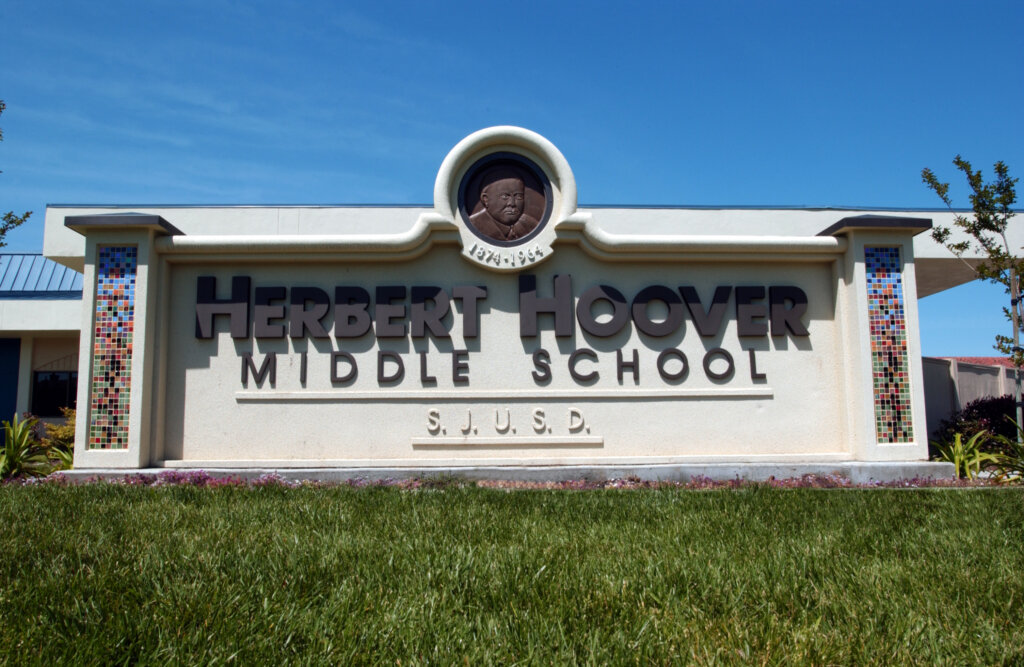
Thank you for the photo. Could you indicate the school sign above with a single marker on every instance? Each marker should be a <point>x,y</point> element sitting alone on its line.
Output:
<point>501,332</point>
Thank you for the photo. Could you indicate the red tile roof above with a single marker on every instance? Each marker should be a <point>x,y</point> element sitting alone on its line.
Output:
<point>984,361</point>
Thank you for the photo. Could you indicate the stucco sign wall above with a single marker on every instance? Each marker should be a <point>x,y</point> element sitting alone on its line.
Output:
<point>501,327</point>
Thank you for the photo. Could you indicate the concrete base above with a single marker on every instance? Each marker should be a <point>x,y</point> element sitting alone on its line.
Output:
<point>858,472</point>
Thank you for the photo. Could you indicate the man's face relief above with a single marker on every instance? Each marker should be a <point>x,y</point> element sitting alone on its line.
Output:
<point>504,200</point>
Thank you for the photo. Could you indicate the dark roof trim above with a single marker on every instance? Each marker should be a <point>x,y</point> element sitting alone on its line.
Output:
<point>41,296</point>
<point>877,222</point>
<point>127,220</point>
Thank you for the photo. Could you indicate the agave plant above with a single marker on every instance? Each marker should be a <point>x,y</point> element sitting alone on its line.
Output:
<point>1010,461</point>
<point>63,459</point>
<point>968,457</point>
<point>22,453</point>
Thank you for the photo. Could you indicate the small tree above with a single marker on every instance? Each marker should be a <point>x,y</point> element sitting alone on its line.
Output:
<point>986,235</point>
<point>10,220</point>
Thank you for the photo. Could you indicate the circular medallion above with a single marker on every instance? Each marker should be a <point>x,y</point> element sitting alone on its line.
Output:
<point>505,199</point>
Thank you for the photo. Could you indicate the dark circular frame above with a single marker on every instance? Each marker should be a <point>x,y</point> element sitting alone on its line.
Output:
<point>470,186</point>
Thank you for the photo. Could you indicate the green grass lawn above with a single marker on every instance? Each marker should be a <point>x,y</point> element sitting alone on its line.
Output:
<point>106,573</point>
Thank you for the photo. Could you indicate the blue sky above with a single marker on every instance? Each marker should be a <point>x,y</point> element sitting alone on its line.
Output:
<point>681,103</point>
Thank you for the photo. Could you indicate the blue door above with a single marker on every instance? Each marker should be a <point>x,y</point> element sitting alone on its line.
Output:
<point>10,351</point>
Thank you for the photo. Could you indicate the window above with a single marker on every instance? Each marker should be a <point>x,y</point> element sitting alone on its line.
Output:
<point>53,390</point>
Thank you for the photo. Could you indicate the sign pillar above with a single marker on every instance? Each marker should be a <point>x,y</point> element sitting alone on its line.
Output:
<point>116,381</point>
<point>884,375</point>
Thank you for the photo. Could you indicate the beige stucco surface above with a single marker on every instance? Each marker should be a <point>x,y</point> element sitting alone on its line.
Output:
<point>60,354</point>
<point>39,315</point>
<point>210,416</point>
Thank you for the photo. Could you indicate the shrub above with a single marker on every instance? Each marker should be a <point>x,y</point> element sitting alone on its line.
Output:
<point>992,414</point>
<point>1010,461</point>
<point>59,440</point>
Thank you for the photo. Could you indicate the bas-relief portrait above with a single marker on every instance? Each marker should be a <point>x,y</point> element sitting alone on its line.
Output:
<point>510,204</point>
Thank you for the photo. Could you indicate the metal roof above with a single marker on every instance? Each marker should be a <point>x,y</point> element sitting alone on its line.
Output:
<point>31,276</point>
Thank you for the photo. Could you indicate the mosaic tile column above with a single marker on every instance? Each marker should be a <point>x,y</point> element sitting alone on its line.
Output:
<point>110,396</point>
<point>890,367</point>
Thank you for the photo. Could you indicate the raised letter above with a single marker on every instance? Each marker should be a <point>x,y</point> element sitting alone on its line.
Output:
<point>468,295</point>
<point>385,311</point>
<point>269,367</point>
<point>574,357</point>
<point>460,368</point>
<point>542,362</point>
<point>657,293</point>
<point>783,318</point>
<point>707,323</point>
<point>632,366</point>
<point>497,421</point>
<point>263,312</point>
<point>710,356</point>
<point>300,319</point>
<point>351,320</point>
<point>399,371</point>
<point>433,420</point>
<point>539,424</point>
<point>754,375</point>
<point>620,313</point>
<point>236,307</point>
<point>747,311</point>
<point>424,318</point>
<point>560,305</point>
<point>425,378</point>
<point>353,371</point>
<point>664,357</point>
<point>399,368</point>
<point>576,421</point>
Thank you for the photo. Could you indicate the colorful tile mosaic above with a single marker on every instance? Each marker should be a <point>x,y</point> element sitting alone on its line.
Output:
<point>889,360</point>
<point>112,347</point>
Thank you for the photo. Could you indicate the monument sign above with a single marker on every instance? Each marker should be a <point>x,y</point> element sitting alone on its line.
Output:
<point>498,332</point>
